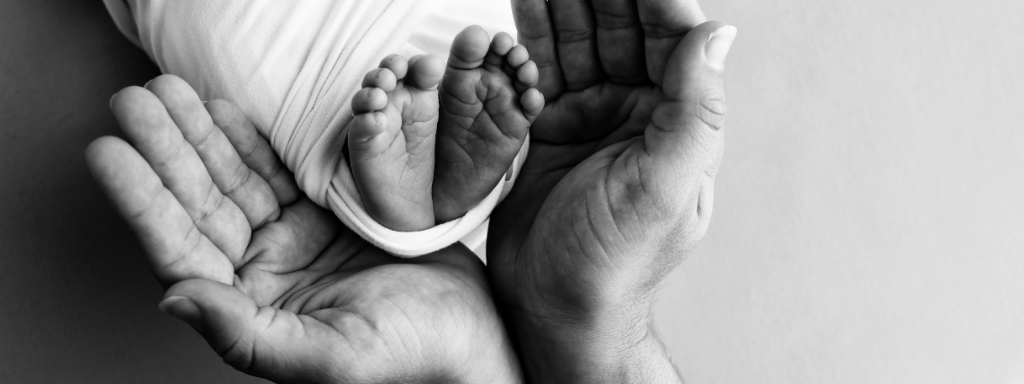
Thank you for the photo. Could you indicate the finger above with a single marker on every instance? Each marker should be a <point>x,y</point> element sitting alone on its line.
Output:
<point>250,192</point>
<point>175,247</point>
<point>538,36</point>
<point>665,22</point>
<point>264,341</point>
<point>294,243</point>
<point>255,151</point>
<point>620,41</point>
<point>686,129</point>
<point>576,33</point>
<point>146,122</point>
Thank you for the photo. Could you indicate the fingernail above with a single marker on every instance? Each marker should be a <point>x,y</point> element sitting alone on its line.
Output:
<point>718,46</point>
<point>182,308</point>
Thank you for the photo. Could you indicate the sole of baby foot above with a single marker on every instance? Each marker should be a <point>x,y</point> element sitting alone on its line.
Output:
<point>391,141</point>
<point>488,103</point>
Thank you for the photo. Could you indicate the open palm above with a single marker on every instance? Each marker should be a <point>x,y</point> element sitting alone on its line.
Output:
<point>275,283</point>
<point>619,181</point>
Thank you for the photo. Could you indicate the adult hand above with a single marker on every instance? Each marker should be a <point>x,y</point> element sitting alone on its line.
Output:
<point>618,185</point>
<point>276,285</point>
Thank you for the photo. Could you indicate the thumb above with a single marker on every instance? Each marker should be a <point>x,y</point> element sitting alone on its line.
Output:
<point>262,341</point>
<point>686,132</point>
<point>686,128</point>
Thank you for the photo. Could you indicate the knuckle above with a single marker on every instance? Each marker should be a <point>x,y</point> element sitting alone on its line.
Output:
<point>709,110</point>
<point>239,355</point>
<point>611,21</point>
<point>569,36</point>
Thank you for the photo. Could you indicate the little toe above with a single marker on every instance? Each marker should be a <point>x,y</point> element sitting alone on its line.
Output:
<point>381,78</point>
<point>368,100</point>
<point>398,65</point>
<point>366,136</point>
<point>469,48</point>
<point>533,102</point>
<point>425,71</point>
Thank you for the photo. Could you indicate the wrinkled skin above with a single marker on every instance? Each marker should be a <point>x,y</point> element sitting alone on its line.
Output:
<point>276,285</point>
<point>618,185</point>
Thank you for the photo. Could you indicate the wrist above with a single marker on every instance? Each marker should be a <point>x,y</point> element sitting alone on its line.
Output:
<point>605,343</point>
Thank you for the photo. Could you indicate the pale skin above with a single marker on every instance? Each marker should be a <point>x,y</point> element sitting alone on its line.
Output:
<point>277,285</point>
<point>616,190</point>
<point>618,186</point>
<point>425,148</point>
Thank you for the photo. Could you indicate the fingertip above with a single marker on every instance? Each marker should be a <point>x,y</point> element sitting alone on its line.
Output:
<point>224,113</point>
<point>120,101</point>
<point>100,155</point>
<point>173,90</point>
<point>220,311</point>
<point>184,309</point>
<point>98,147</point>
<point>695,63</point>
<point>163,81</point>
<point>718,46</point>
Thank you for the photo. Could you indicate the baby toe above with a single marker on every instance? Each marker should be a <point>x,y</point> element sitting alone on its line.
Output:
<point>365,133</point>
<point>517,56</point>
<point>368,100</point>
<point>499,47</point>
<point>381,78</point>
<point>502,43</point>
<point>398,65</point>
<point>533,103</point>
<point>528,74</point>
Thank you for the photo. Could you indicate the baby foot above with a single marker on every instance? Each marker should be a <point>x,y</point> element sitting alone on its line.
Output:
<point>488,104</point>
<point>391,140</point>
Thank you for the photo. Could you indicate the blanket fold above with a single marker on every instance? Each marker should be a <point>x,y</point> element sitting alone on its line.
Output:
<point>293,67</point>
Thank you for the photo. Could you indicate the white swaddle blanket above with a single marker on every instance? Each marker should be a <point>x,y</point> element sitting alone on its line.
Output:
<point>293,66</point>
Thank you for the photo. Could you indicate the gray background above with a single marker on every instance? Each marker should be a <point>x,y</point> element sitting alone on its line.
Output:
<point>868,228</point>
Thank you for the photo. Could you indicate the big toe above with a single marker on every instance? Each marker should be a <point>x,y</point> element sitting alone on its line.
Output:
<point>469,48</point>
<point>425,71</point>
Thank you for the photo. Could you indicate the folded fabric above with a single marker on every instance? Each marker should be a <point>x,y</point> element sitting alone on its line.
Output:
<point>293,66</point>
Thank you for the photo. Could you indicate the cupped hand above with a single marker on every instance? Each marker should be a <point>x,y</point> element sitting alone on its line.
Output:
<point>618,185</point>
<point>276,285</point>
